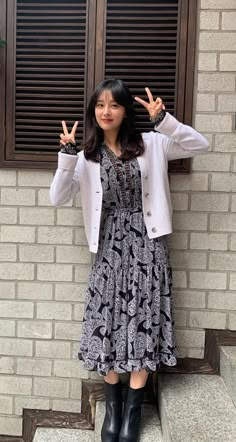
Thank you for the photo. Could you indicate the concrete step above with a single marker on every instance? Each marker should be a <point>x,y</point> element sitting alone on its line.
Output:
<point>228,369</point>
<point>196,408</point>
<point>63,435</point>
<point>150,427</point>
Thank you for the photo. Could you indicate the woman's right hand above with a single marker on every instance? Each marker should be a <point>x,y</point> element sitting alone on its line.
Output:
<point>67,137</point>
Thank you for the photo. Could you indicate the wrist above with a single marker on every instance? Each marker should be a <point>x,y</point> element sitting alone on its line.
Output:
<point>68,148</point>
<point>160,116</point>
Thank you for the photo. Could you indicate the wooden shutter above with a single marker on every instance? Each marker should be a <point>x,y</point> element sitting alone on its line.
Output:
<point>146,44</point>
<point>50,70</point>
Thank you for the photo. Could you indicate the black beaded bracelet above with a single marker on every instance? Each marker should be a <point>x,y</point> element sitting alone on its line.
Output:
<point>68,148</point>
<point>160,116</point>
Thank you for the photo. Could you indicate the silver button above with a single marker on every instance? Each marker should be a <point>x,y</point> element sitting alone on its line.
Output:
<point>154,229</point>
<point>146,195</point>
<point>149,213</point>
<point>94,243</point>
<point>146,177</point>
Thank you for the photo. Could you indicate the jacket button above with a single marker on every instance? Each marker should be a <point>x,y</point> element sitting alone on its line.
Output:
<point>149,213</point>
<point>154,229</point>
<point>146,177</point>
<point>146,195</point>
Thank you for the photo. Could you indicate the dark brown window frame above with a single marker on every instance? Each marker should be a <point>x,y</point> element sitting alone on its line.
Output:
<point>95,66</point>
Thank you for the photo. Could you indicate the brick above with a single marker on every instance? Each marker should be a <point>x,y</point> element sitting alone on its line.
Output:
<point>80,237</point>
<point>208,241</point>
<point>36,253</point>
<point>222,261</point>
<point>234,164</point>
<point>70,331</point>
<point>209,20</point>
<point>70,369</point>
<point>78,312</point>
<point>190,338</point>
<point>216,82</point>
<point>217,4</point>
<point>54,310</point>
<point>180,318</point>
<point>11,425</point>
<point>77,200</point>
<point>73,254</point>
<point>70,292</point>
<point>208,280</point>
<point>36,178</point>
<point>189,299</point>
<point>190,221</point>
<point>82,273</point>
<point>7,178</point>
<point>213,123</point>
<point>51,387</point>
<point>7,252</point>
<point>7,290</point>
<point>197,353</point>
<point>15,347</point>
<point>223,222</point>
<point>228,63</point>
<point>52,350</point>
<point>178,240</point>
<point>30,403</point>
<point>232,321</point>
<point>7,328</point>
<point>6,405</point>
<point>33,367</point>
<point>15,385</point>
<point>223,182</point>
<point>180,279</point>
<point>207,319</point>
<point>179,201</point>
<point>222,300</point>
<point>34,290</point>
<point>70,406</point>
<point>188,260</point>
<point>54,272</point>
<point>16,309</point>
<point>19,234</point>
<point>8,215</point>
<point>233,204</point>
<point>233,242</point>
<point>75,392</point>
<point>225,143</point>
<point>212,162</point>
<point>229,20</point>
<point>37,216</point>
<point>7,365</point>
<point>207,61</point>
<point>55,235</point>
<point>207,202</point>
<point>18,197</point>
<point>69,217</point>
<point>190,182</point>
<point>16,271</point>
<point>34,329</point>
<point>206,103</point>
<point>217,41</point>
<point>227,102</point>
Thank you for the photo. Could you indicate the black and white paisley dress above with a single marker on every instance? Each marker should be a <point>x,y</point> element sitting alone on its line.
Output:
<point>128,318</point>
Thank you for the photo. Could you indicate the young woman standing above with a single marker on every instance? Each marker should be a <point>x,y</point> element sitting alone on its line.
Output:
<point>123,179</point>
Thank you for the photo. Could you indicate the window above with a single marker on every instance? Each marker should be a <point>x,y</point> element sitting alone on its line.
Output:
<point>58,51</point>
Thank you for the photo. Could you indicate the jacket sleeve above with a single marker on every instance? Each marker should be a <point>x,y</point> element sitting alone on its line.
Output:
<point>65,183</point>
<point>182,141</point>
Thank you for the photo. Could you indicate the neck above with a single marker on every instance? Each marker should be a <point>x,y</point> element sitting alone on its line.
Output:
<point>110,139</point>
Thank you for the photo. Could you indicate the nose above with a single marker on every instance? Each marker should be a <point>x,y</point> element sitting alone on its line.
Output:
<point>106,110</point>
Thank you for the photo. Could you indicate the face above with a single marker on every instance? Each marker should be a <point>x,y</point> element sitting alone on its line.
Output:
<point>109,114</point>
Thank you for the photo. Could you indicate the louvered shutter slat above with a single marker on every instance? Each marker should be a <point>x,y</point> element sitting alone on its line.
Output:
<point>50,72</point>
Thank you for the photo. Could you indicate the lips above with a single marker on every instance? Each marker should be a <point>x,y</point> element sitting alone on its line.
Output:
<point>106,120</point>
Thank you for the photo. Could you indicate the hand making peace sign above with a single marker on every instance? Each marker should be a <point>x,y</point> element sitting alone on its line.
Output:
<point>153,107</point>
<point>66,137</point>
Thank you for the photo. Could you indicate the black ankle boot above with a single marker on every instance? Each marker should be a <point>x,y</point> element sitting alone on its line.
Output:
<point>112,421</point>
<point>131,420</point>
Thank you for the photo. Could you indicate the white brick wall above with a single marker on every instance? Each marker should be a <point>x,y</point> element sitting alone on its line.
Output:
<point>45,262</point>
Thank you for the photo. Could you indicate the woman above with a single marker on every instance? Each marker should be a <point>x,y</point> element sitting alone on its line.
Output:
<point>123,179</point>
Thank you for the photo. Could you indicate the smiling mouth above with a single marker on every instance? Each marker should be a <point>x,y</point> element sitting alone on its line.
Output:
<point>106,120</point>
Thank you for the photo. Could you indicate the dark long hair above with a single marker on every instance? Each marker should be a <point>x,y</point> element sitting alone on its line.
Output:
<point>130,139</point>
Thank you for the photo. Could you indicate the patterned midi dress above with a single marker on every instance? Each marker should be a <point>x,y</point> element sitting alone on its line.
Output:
<point>128,319</point>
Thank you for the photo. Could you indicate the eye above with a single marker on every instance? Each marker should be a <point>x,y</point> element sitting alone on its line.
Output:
<point>99,105</point>
<point>115,105</point>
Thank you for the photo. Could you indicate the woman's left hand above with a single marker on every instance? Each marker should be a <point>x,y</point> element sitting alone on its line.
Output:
<point>153,107</point>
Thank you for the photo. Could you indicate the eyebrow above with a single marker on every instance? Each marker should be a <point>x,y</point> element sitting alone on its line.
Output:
<point>102,101</point>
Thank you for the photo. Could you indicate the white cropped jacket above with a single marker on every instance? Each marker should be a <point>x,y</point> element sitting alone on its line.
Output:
<point>74,173</point>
